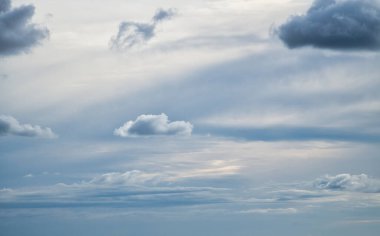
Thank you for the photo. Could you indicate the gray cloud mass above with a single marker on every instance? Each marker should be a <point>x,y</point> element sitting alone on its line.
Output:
<point>133,33</point>
<point>147,125</point>
<point>335,24</point>
<point>11,126</point>
<point>17,35</point>
<point>5,5</point>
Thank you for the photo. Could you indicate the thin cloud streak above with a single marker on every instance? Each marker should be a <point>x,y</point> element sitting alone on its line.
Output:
<point>290,133</point>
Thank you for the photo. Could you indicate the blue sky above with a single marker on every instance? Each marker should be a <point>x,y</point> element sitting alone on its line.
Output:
<point>189,117</point>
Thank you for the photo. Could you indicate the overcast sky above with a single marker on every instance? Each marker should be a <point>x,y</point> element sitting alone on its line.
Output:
<point>183,118</point>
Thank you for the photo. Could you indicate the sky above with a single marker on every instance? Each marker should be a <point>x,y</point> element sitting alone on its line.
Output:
<point>183,118</point>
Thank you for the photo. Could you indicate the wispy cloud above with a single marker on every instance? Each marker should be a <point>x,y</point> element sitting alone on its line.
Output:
<point>348,182</point>
<point>124,190</point>
<point>343,24</point>
<point>10,126</point>
<point>277,211</point>
<point>16,33</point>
<point>295,133</point>
<point>129,178</point>
<point>134,33</point>
<point>146,125</point>
<point>141,190</point>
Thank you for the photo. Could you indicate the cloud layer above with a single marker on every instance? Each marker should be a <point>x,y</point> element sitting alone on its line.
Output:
<point>347,182</point>
<point>16,33</point>
<point>10,126</point>
<point>133,33</point>
<point>335,24</point>
<point>123,190</point>
<point>146,125</point>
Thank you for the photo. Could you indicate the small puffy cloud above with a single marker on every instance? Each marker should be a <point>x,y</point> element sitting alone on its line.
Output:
<point>16,33</point>
<point>11,126</point>
<point>146,125</point>
<point>134,33</point>
<point>347,182</point>
<point>335,24</point>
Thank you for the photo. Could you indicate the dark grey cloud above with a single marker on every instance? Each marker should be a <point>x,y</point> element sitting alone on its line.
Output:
<point>134,33</point>
<point>348,182</point>
<point>335,24</point>
<point>5,5</point>
<point>17,34</point>
<point>10,126</point>
<point>146,125</point>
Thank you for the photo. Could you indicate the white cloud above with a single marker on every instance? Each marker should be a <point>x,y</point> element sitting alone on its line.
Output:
<point>348,182</point>
<point>146,125</point>
<point>10,126</point>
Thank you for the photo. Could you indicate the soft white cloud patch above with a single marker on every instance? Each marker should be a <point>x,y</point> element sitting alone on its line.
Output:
<point>16,33</point>
<point>348,182</point>
<point>10,126</point>
<point>146,125</point>
<point>134,33</point>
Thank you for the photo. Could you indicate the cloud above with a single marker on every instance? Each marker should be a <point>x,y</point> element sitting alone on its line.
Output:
<point>146,125</point>
<point>122,190</point>
<point>291,194</point>
<point>133,33</point>
<point>295,133</point>
<point>134,177</point>
<point>335,24</point>
<point>279,211</point>
<point>29,176</point>
<point>17,35</point>
<point>10,126</point>
<point>5,5</point>
<point>347,182</point>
